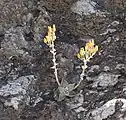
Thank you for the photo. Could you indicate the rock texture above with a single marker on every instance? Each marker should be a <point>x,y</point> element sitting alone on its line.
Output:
<point>27,84</point>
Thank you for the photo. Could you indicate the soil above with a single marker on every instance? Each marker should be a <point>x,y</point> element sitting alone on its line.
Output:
<point>27,84</point>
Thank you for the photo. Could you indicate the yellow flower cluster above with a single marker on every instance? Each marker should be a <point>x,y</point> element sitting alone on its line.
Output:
<point>50,38</point>
<point>89,50</point>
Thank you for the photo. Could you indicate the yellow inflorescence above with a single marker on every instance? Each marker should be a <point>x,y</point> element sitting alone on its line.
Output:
<point>89,50</point>
<point>50,38</point>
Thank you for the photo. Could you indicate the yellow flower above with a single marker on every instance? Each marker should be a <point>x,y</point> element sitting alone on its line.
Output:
<point>81,53</point>
<point>50,38</point>
<point>49,29</point>
<point>54,28</point>
<point>45,40</point>
<point>90,50</point>
<point>89,45</point>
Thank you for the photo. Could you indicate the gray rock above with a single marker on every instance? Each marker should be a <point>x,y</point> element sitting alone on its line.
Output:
<point>40,25</point>
<point>77,102</point>
<point>108,109</point>
<point>12,13</point>
<point>95,69</point>
<point>109,30</point>
<point>14,102</point>
<point>67,50</point>
<point>38,99</point>
<point>124,88</point>
<point>105,79</point>
<point>84,7</point>
<point>16,90</point>
<point>66,62</point>
<point>14,42</point>
<point>120,67</point>
<point>106,68</point>
<point>18,86</point>
<point>115,23</point>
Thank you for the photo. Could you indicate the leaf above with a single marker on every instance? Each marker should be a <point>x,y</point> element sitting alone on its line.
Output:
<point>61,96</point>
<point>64,83</point>
<point>71,87</point>
<point>65,89</point>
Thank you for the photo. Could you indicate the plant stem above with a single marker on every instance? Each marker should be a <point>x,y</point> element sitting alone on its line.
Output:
<point>83,73</point>
<point>53,51</point>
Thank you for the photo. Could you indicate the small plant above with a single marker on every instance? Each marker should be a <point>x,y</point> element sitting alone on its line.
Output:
<point>49,40</point>
<point>85,54</point>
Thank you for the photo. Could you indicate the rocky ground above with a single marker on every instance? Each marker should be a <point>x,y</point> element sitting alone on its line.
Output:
<point>27,84</point>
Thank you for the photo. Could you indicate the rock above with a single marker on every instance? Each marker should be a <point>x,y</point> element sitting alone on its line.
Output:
<point>14,42</point>
<point>108,109</point>
<point>67,50</point>
<point>40,25</point>
<point>66,66</point>
<point>84,7</point>
<point>106,68</point>
<point>95,69</point>
<point>56,5</point>
<point>105,80</point>
<point>115,23</point>
<point>38,99</point>
<point>17,86</point>
<point>65,59</point>
<point>120,67</point>
<point>109,30</point>
<point>24,13</point>
<point>14,102</point>
<point>16,90</point>
<point>80,109</point>
<point>12,13</point>
<point>77,102</point>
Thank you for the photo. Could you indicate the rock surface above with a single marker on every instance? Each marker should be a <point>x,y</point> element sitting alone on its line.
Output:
<point>109,108</point>
<point>27,84</point>
<point>105,80</point>
<point>84,7</point>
